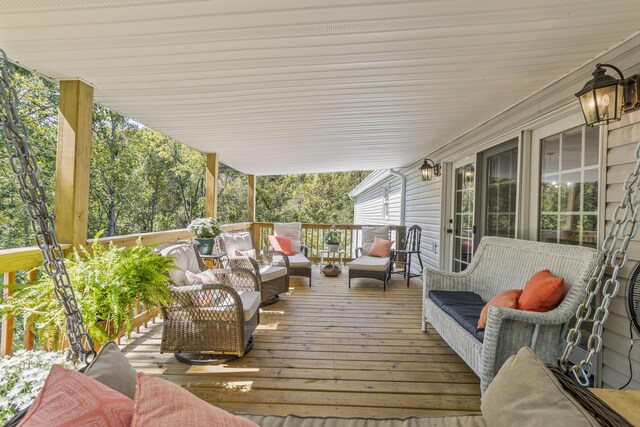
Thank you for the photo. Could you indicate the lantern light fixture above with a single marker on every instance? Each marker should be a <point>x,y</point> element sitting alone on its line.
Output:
<point>429,169</point>
<point>603,98</point>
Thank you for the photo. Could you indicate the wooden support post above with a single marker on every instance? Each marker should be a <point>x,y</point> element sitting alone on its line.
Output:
<point>72,162</point>
<point>211,187</point>
<point>29,332</point>
<point>6,335</point>
<point>251,199</point>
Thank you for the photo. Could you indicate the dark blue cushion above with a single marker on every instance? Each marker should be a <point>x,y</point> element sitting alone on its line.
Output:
<point>463,307</point>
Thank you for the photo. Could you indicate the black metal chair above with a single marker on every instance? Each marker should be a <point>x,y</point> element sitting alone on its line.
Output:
<point>411,247</point>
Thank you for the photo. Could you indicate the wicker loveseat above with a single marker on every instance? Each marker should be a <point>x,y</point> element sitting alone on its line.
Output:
<point>500,264</point>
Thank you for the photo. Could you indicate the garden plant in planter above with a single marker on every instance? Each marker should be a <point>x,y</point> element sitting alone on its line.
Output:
<point>332,240</point>
<point>206,231</point>
<point>108,282</point>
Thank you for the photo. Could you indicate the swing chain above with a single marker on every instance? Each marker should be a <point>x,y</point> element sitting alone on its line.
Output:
<point>624,229</point>
<point>24,166</point>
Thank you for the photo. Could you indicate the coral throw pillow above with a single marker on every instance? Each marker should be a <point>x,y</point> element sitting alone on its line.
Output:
<point>160,403</point>
<point>543,292</point>
<point>507,299</point>
<point>380,247</point>
<point>282,244</point>
<point>70,398</point>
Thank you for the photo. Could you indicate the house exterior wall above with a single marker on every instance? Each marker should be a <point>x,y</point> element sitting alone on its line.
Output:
<point>368,206</point>
<point>621,142</point>
<point>550,106</point>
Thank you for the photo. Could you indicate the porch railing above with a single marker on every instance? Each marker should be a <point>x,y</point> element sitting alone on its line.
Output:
<point>19,265</point>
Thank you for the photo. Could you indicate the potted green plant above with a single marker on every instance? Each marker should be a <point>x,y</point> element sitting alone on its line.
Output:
<point>108,282</point>
<point>332,239</point>
<point>206,231</point>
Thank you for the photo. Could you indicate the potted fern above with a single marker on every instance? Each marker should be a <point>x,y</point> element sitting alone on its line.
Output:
<point>206,231</point>
<point>332,239</point>
<point>108,282</point>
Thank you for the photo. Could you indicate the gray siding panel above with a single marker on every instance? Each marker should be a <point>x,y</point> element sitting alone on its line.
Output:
<point>621,144</point>
<point>368,205</point>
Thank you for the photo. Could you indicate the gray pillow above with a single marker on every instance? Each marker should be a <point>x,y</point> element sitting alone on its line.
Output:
<point>113,369</point>
<point>525,393</point>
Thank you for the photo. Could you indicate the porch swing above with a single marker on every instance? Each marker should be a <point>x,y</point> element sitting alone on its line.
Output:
<point>574,378</point>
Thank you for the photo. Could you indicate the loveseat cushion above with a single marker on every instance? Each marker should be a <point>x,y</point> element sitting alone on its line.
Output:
<point>369,263</point>
<point>463,307</point>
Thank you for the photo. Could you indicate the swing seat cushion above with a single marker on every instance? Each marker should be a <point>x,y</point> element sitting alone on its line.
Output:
<point>463,307</point>
<point>526,393</point>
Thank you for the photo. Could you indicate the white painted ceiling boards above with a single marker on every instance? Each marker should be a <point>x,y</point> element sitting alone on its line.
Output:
<point>287,86</point>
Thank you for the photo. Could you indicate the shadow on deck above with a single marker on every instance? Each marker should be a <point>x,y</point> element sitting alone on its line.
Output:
<point>330,350</point>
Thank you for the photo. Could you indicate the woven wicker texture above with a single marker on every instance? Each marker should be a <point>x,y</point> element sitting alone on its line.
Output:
<point>269,288</point>
<point>500,264</point>
<point>209,319</point>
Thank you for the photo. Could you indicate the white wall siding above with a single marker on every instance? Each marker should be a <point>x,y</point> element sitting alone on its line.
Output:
<point>621,145</point>
<point>368,205</point>
<point>423,208</point>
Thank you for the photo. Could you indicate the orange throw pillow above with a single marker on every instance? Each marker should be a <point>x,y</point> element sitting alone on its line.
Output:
<point>543,292</point>
<point>380,247</point>
<point>507,299</point>
<point>282,244</point>
<point>70,398</point>
<point>160,403</point>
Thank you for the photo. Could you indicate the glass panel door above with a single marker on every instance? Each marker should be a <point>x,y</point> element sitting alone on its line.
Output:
<point>501,186</point>
<point>463,217</point>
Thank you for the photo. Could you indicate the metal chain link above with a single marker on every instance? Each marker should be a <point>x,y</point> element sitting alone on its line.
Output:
<point>24,166</point>
<point>614,255</point>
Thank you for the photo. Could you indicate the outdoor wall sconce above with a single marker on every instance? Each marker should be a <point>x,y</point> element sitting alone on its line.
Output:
<point>604,97</point>
<point>429,169</point>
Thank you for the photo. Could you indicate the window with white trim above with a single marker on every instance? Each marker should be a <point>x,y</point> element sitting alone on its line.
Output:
<point>569,187</point>
<point>385,203</point>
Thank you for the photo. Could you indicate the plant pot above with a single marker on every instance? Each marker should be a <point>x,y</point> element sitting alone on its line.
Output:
<point>331,270</point>
<point>333,247</point>
<point>205,245</point>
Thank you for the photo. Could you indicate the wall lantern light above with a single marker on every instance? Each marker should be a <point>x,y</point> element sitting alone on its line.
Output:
<point>604,97</point>
<point>429,169</point>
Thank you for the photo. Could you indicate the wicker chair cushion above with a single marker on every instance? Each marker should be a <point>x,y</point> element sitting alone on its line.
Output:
<point>369,263</point>
<point>269,272</point>
<point>250,303</point>
<point>525,392</point>
<point>300,261</point>
<point>289,229</point>
<point>237,242</point>
<point>369,234</point>
<point>185,259</point>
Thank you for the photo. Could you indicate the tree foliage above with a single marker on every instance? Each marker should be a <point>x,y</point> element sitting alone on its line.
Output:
<point>143,181</point>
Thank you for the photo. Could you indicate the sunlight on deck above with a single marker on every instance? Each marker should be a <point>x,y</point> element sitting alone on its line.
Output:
<point>330,350</point>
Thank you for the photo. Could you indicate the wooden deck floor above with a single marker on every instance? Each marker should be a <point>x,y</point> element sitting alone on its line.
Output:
<point>330,350</point>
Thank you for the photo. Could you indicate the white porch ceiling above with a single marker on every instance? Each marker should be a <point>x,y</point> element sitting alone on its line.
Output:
<point>282,86</point>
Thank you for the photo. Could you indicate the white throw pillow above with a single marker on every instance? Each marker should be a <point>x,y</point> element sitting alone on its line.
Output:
<point>251,253</point>
<point>290,229</point>
<point>185,259</point>
<point>203,278</point>
<point>236,241</point>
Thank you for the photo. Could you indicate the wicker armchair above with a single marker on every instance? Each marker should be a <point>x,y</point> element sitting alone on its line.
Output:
<point>500,264</point>
<point>270,267</point>
<point>203,320</point>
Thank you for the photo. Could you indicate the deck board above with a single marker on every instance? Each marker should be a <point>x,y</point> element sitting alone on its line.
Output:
<point>330,350</point>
